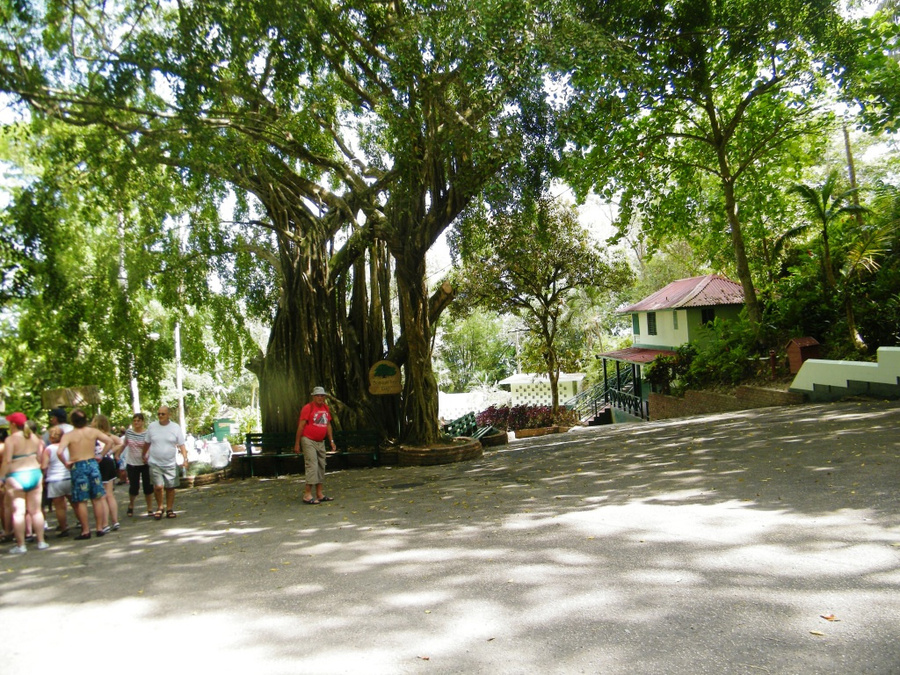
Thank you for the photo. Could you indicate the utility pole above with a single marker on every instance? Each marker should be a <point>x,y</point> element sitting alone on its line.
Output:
<point>179,375</point>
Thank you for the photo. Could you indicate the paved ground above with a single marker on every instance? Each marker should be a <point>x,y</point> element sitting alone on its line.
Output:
<point>711,545</point>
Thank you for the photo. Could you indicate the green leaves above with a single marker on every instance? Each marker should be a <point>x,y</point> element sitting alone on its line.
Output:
<point>696,97</point>
<point>872,76</point>
<point>532,263</point>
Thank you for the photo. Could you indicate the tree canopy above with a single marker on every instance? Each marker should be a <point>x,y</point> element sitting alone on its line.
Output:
<point>293,163</point>
<point>531,264</point>
<point>352,133</point>
<point>666,94</point>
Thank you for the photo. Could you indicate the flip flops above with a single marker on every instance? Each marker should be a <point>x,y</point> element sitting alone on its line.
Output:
<point>326,499</point>
<point>311,500</point>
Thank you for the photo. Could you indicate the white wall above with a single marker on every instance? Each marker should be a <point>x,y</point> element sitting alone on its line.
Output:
<point>823,372</point>
<point>538,393</point>
<point>451,406</point>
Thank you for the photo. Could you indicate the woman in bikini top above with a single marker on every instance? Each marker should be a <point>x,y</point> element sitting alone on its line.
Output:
<point>22,468</point>
<point>22,450</point>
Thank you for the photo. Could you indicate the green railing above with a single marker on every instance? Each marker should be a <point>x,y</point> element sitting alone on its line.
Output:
<point>590,402</point>
<point>618,391</point>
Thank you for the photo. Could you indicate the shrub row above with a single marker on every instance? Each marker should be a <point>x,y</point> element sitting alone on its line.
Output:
<point>516,417</point>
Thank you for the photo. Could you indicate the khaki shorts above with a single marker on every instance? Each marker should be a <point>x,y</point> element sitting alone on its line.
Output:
<point>313,460</point>
<point>163,476</point>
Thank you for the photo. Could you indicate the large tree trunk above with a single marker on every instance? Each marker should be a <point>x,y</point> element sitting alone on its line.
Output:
<point>754,313</point>
<point>303,348</point>
<point>553,373</point>
<point>323,334</point>
<point>419,425</point>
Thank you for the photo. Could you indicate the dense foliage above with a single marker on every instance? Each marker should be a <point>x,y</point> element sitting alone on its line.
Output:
<point>512,418</point>
<point>474,351</point>
<point>533,263</point>
<point>693,103</point>
<point>350,135</point>
<point>211,165</point>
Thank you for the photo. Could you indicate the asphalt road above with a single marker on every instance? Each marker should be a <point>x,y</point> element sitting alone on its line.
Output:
<point>765,541</point>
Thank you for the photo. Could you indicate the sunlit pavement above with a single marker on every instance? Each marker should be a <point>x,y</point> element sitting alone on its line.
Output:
<point>758,542</point>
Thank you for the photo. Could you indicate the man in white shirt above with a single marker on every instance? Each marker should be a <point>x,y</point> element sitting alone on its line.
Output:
<point>164,440</point>
<point>57,419</point>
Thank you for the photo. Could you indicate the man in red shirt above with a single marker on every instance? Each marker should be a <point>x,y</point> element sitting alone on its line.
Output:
<point>312,429</point>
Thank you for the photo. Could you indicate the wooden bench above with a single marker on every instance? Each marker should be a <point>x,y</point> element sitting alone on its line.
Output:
<point>276,445</point>
<point>362,443</point>
<point>279,446</point>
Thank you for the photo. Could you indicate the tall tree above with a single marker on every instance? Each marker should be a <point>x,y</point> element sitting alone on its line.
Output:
<point>688,88</point>
<point>826,207</point>
<point>872,79</point>
<point>531,264</point>
<point>102,271</point>
<point>475,350</point>
<point>360,129</point>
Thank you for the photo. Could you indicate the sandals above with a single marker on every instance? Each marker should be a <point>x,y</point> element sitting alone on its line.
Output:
<point>130,511</point>
<point>157,515</point>
<point>171,514</point>
<point>318,500</point>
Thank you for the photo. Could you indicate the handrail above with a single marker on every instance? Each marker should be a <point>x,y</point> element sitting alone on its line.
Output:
<point>591,401</point>
<point>629,403</point>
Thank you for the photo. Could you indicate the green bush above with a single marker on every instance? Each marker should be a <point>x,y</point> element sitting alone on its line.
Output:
<point>668,372</point>
<point>725,354</point>
<point>200,468</point>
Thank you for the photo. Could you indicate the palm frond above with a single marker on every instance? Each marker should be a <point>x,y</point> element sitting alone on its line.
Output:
<point>863,253</point>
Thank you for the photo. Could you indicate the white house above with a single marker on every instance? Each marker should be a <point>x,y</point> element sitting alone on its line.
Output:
<point>662,322</point>
<point>673,315</point>
<point>532,389</point>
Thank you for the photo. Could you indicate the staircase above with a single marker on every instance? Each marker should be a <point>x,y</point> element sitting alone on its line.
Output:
<point>594,405</point>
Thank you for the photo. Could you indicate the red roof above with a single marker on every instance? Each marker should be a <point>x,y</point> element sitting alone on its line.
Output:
<point>636,354</point>
<point>804,341</point>
<point>694,292</point>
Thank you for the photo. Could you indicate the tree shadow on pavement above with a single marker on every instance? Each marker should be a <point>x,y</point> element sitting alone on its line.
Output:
<point>763,541</point>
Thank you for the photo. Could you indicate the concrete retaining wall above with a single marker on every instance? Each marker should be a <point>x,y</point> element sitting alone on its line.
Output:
<point>824,380</point>
<point>705,402</point>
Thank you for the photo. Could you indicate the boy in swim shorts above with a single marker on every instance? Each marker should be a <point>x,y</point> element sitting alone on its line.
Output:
<point>86,481</point>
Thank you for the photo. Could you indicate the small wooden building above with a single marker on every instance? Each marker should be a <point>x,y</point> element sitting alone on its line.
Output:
<point>800,349</point>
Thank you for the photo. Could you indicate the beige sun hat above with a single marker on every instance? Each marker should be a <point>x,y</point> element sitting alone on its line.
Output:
<point>319,391</point>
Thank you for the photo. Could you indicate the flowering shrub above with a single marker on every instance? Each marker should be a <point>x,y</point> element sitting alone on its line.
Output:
<point>524,417</point>
<point>496,416</point>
